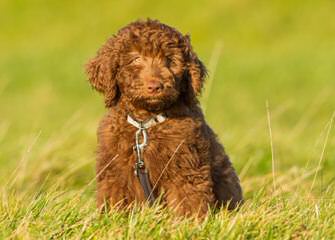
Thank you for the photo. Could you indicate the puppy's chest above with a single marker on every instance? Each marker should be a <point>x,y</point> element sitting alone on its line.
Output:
<point>157,139</point>
<point>162,142</point>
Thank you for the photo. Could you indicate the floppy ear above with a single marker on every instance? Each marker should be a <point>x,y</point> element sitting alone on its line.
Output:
<point>196,71</point>
<point>102,71</point>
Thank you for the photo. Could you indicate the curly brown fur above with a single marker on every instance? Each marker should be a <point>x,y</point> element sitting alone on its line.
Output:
<point>145,69</point>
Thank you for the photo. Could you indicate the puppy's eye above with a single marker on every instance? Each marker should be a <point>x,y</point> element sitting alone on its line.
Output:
<point>136,60</point>
<point>168,62</point>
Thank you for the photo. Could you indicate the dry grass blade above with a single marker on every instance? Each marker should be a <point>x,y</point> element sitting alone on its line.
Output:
<point>102,170</point>
<point>213,62</point>
<point>330,125</point>
<point>19,172</point>
<point>244,140</point>
<point>165,167</point>
<point>271,144</point>
<point>314,107</point>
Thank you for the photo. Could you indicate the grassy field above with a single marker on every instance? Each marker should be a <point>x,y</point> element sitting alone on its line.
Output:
<point>270,97</point>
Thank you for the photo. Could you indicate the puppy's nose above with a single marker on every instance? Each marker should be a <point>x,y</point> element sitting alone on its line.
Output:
<point>154,86</point>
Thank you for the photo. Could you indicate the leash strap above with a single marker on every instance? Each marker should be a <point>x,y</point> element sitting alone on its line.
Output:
<point>140,170</point>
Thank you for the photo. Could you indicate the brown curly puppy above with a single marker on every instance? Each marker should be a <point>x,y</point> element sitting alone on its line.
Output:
<point>149,70</point>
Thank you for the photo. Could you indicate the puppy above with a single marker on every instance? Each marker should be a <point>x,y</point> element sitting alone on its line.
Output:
<point>154,141</point>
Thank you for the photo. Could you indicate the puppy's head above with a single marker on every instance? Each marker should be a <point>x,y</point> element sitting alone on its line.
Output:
<point>150,64</point>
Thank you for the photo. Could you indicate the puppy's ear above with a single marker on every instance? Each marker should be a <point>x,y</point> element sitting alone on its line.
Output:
<point>196,71</point>
<point>102,71</point>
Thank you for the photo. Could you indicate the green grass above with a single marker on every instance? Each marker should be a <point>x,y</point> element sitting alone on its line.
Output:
<point>280,52</point>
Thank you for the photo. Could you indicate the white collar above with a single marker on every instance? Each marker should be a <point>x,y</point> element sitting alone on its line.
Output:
<point>147,123</point>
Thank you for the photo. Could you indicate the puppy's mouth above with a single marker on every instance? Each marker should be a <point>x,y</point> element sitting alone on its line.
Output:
<point>156,102</point>
<point>154,99</point>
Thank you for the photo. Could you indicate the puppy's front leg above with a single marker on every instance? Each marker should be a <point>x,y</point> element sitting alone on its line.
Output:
<point>111,194</point>
<point>227,188</point>
<point>112,181</point>
<point>190,192</point>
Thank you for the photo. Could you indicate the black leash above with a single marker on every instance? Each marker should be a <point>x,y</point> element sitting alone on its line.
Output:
<point>140,171</point>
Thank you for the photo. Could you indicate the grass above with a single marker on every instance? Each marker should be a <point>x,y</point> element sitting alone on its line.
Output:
<point>270,98</point>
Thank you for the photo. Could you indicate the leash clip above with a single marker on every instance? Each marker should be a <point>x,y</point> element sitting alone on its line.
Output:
<point>141,140</point>
<point>139,147</point>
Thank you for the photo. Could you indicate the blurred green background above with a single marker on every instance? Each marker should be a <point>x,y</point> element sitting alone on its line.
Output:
<point>279,51</point>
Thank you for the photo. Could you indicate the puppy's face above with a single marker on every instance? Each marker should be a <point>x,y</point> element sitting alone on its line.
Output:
<point>150,64</point>
<point>151,82</point>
